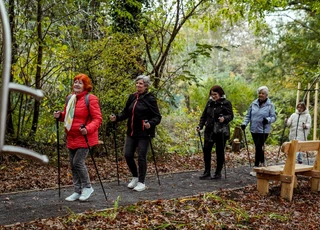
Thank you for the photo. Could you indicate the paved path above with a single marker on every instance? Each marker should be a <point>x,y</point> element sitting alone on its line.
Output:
<point>28,206</point>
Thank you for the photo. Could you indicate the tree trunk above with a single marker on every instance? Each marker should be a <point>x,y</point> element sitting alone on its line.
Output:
<point>36,110</point>
<point>11,12</point>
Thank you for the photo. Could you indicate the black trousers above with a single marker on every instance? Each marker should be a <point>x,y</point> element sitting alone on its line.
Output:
<point>142,144</point>
<point>220,141</point>
<point>259,139</point>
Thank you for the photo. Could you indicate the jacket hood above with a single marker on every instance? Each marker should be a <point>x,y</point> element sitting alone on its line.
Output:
<point>304,112</point>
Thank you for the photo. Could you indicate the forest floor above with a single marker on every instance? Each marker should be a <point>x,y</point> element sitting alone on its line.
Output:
<point>29,197</point>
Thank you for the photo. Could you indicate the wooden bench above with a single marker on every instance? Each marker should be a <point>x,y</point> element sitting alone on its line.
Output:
<point>286,173</point>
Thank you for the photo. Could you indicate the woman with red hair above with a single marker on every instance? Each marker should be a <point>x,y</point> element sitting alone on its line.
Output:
<point>75,114</point>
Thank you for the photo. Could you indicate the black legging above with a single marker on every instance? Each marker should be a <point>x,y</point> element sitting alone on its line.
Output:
<point>131,144</point>
<point>220,142</point>
<point>259,139</point>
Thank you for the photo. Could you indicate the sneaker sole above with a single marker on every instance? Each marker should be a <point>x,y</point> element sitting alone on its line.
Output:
<point>131,187</point>
<point>71,200</point>
<point>84,199</point>
<point>139,190</point>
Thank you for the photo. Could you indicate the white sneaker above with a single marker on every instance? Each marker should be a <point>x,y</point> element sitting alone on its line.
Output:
<point>253,173</point>
<point>74,196</point>
<point>263,164</point>
<point>133,183</point>
<point>86,193</point>
<point>140,187</point>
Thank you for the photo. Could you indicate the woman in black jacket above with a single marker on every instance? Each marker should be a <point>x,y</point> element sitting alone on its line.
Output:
<point>143,115</point>
<point>216,117</point>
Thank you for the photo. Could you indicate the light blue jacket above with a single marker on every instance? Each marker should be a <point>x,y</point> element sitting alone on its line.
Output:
<point>256,114</point>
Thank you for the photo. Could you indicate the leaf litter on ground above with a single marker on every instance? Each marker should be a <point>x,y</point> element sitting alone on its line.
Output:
<point>242,208</point>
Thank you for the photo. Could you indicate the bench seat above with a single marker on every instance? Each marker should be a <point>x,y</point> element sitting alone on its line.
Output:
<point>286,173</point>
<point>278,169</point>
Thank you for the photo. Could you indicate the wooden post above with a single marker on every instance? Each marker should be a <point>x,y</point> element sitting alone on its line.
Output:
<point>289,169</point>
<point>298,94</point>
<point>308,96</point>
<point>315,112</point>
<point>315,182</point>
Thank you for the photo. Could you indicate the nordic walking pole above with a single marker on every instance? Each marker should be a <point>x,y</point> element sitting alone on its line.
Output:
<point>264,140</point>
<point>154,159</point>
<point>281,140</point>
<point>58,151</point>
<point>116,150</point>
<point>304,134</point>
<point>224,150</point>
<point>94,163</point>
<point>200,139</point>
<point>153,156</point>
<point>245,140</point>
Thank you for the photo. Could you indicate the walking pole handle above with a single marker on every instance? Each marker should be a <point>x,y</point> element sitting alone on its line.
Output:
<point>85,136</point>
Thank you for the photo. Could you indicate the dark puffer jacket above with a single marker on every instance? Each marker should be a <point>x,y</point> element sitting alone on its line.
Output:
<point>211,113</point>
<point>138,109</point>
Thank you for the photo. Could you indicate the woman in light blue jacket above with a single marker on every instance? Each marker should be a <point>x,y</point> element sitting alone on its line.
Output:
<point>261,114</point>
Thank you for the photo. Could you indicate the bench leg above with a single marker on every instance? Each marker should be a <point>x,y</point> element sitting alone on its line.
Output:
<point>295,185</point>
<point>287,190</point>
<point>315,184</point>
<point>263,186</point>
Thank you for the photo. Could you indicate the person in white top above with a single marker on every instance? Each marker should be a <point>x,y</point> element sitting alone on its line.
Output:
<point>300,124</point>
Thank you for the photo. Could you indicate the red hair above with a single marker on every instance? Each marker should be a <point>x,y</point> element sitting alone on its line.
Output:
<point>87,86</point>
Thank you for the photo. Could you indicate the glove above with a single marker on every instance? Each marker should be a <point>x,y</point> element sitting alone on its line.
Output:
<point>265,121</point>
<point>243,127</point>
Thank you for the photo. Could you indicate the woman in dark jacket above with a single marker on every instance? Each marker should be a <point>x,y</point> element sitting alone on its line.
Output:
<point>143,115</point>
<point>216,117</point>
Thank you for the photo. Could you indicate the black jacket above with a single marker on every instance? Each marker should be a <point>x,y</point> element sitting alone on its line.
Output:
<point>211,113</point>
<point>140,107</point>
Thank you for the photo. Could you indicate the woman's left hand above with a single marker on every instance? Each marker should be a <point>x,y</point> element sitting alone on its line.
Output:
<point>147,125</point>
<point>221,119</point>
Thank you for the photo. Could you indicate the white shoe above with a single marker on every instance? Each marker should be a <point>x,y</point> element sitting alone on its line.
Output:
<point>86,193</point>
<point>74,196</point>
<point>253,173</point>
<point>264,164</point>
<point>140,187</point>
<point>133,183</point>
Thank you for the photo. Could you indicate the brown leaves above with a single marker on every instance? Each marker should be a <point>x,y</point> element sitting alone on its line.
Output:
<point>241,208</point>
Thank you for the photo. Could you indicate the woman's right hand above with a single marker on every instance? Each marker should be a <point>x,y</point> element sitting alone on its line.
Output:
<point>113,117</point>
<point>56,114</point>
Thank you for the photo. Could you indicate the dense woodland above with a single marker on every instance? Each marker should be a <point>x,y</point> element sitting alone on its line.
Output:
<point>185,46</point>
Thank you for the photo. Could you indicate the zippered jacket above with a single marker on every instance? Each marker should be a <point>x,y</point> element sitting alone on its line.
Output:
<point>256,114</point>
<point>211,113</point>
<point>295,122</point>
<point>138,109</point>
<point>81,115</point>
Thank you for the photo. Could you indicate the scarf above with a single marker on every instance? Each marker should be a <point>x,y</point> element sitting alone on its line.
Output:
<point>68,119</point>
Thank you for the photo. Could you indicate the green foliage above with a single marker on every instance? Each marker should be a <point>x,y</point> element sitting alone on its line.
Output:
<point>125,15</point>
<point>185,49</point>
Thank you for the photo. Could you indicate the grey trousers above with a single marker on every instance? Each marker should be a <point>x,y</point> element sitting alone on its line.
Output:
<point>80,175</point>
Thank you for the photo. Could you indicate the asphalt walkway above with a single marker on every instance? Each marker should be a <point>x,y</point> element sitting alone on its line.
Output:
<point>27,206</point>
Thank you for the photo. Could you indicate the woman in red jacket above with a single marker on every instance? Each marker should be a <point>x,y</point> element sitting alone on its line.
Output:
<point>76,113</point>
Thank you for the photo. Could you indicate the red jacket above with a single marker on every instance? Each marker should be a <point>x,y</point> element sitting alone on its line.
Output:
<point>74,137</point>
